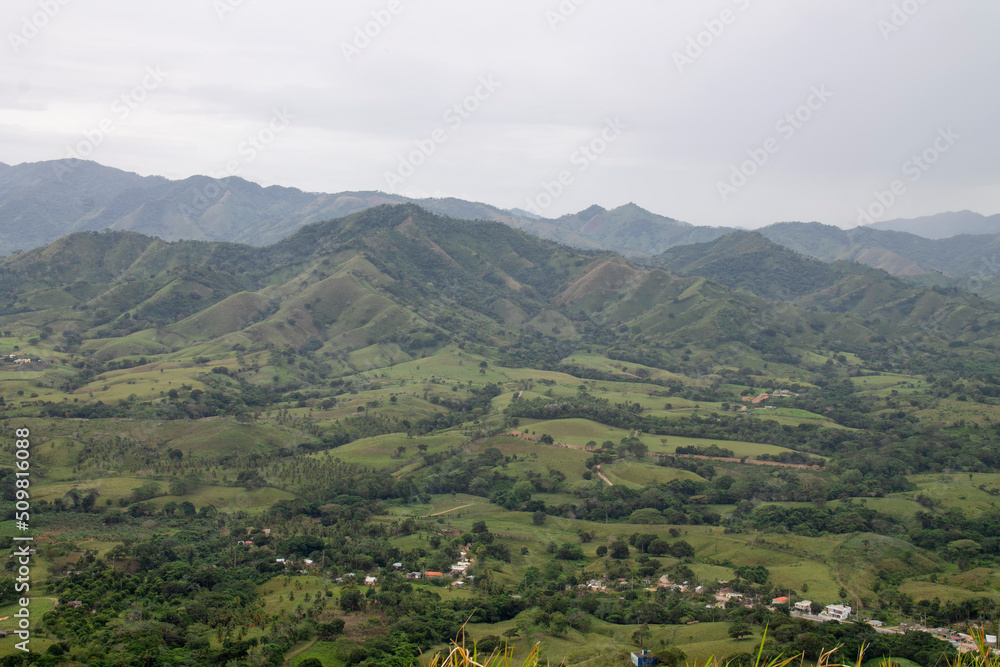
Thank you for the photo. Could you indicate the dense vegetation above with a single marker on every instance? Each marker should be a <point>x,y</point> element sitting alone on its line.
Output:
<point>347,447</point>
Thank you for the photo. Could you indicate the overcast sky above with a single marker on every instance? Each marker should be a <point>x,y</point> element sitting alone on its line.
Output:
<point>667,96</point>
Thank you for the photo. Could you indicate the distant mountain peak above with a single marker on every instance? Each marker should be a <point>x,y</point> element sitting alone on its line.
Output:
<point>591,212</point>
<point>943,225</point>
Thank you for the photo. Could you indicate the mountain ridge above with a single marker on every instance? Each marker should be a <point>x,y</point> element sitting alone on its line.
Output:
<point>42,201</point>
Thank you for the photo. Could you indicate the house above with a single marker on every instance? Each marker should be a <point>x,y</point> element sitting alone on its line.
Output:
<point>644,659</point>
<point>75,603</point>
<point>805,606</point>
<point>991,640</point>
<point>434,575</point>
<point>781,600</point>
<point>371,581</point>
<point>413,575</point>
<point>838,612</point>
<point>875,623</point>
<point>398,566</point>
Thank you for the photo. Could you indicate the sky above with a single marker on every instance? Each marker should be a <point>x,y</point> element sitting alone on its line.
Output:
<point>717,112</point>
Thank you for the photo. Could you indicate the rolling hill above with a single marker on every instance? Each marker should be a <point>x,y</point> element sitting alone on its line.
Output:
<point>399,281</point>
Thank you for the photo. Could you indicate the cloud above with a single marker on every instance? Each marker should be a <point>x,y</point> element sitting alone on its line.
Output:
<point>562,78</point>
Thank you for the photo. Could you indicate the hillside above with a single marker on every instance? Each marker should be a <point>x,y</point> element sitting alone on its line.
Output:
<point>393,427</point>
<point>40,202</point>
<point>628,230</point>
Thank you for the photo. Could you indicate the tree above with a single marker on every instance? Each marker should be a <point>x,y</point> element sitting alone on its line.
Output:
<point>672,656</point>
<point>538,518</point>
<point>569,552</point>
<point>522,491</point>
<point>641,636</point>
<point>311,662</point>
<point>351,599</point>
<point>739,630</point>
<point>619,550</point>
<point>327,631</point>
<point>547,439</point>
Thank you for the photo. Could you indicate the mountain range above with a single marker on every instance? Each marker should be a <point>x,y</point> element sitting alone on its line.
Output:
<point>387,284</point>
<point>40,202</point>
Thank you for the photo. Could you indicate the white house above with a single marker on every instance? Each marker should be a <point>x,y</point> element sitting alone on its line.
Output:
<point>838,612</point>
<point>805,606</point>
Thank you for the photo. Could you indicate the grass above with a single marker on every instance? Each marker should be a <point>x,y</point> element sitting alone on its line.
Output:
<point>639,475</point>
<point>926,590</point>
<point>380,451</point>
<point>325,652</point>
<point>959,491</point>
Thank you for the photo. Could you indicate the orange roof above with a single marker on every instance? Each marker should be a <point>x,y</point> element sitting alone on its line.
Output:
<point>434,574</point>
<point>779,600</point>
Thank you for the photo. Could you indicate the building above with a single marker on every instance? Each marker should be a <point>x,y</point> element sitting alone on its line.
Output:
<point>805,606</point>
<point>838,612</point>
<point>644,659</point>
<point>434,575</point>
<point>781,600</point>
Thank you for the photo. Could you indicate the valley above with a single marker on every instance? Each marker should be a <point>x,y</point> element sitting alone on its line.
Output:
<point>227,440</point>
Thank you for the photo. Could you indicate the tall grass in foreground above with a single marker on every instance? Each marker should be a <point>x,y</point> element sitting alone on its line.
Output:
<point>983,656</point>
<point>825,659</point>
<point>460,656</point>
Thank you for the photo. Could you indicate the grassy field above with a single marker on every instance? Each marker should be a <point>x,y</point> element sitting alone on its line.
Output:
<point>607,644</point>
<point>37,606</point>
<point>639,475</point>
<point>381,451</point>
<point>959,491</point>
<point>325,652</point>
<point>926,590</point>
<point>579,432</point>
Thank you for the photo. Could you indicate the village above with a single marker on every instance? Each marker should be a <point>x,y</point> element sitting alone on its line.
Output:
<point>458,577</point>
